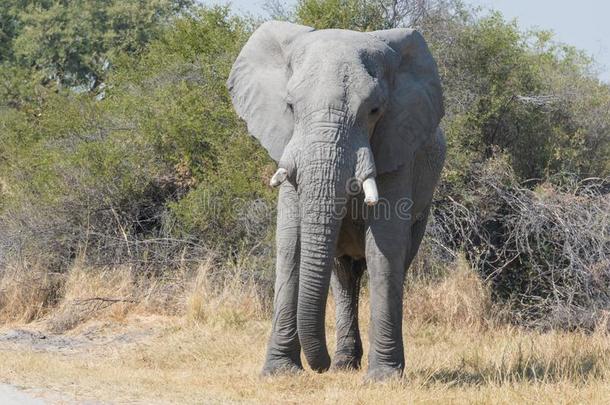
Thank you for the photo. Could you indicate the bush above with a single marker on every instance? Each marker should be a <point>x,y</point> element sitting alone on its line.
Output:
<point>147,172</point>
<point>545,251</point>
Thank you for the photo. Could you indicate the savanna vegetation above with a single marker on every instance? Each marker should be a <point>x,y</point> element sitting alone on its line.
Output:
<point>128,185</point>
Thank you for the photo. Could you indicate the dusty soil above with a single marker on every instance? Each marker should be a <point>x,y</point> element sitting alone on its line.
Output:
<point>84,339</point>
<point>10,395</point>
<point>89,340</point>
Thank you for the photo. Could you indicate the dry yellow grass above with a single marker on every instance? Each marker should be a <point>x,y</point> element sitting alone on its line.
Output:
<point>213,352</point>
<point>198,363</point>
<point>228,302</point>
<point>86,294</point>
<point>26,293</point>
<point>459,299</point>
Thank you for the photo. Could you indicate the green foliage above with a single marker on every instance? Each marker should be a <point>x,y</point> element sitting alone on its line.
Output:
<point>495,56</point>
<point>9,27</point>
<point>361,15</point>
<point>73,42</point>
<point>138,160</point>
<point>506,92</point>
<point>177,95</point>
<point>176,92</point>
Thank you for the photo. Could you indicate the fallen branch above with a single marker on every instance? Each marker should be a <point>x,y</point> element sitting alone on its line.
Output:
<point>104,299</point>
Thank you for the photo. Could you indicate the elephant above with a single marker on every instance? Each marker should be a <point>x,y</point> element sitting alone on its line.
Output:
<point>352,119</point>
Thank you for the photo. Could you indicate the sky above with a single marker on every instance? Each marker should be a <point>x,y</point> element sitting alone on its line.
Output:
<point>584,23</point>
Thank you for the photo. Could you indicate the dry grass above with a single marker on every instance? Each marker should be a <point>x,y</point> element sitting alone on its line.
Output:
<point>197,363</point>
<point>213,350</point>
<point>459,299</point>
<point>93,293</point>
<point>226,302</point>
<point>26,293</point>
<point>63,301</point>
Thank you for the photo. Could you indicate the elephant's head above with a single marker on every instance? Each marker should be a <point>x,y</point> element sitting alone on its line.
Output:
<point>332,106</point>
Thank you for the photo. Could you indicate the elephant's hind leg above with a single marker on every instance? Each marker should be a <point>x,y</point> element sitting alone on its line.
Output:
<point>284,349</point>
<point>345,283</point>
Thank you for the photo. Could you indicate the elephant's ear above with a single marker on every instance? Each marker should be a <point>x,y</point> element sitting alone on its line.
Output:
<point>415,107</point>
<point>257,84</point>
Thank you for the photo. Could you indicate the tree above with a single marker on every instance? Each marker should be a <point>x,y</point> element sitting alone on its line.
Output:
<point>73,42</point>
<point>361,15</point>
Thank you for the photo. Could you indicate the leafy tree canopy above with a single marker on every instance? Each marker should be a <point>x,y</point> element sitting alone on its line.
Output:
<point>73,42</point>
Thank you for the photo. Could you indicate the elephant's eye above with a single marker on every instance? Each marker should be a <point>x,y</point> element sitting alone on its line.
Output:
<point>374,111</point>
<point>288,101</point>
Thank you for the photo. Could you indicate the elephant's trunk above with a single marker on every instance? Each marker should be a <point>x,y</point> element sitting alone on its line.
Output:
<point>334,155</point>
<point>320,222</point>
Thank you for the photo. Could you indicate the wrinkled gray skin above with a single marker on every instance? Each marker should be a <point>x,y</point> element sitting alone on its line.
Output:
<point>332,106</point>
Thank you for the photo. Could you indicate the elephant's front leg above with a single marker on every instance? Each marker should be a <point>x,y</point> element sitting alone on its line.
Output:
<point>385,262</point>
<point>387,243</point>
<point>345,283</point>
<point>284,350</point>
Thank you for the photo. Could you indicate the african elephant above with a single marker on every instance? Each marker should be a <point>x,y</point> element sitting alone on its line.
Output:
<point>352,119</point>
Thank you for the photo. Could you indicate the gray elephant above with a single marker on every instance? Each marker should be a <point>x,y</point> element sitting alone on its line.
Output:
<point>352,119</point>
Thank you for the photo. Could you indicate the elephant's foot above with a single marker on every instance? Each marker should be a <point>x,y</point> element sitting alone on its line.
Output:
<point>343,361</point>
<point>382,374</point>
<point>321,363</point>
<point>276,368</point>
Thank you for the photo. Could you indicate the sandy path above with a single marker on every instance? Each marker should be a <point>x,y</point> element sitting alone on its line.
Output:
<point>88,339</point>
<point>10,395</point>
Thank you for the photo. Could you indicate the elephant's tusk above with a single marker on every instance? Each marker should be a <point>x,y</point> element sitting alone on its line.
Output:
<point>279,177</point>
<point>371,196</point>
